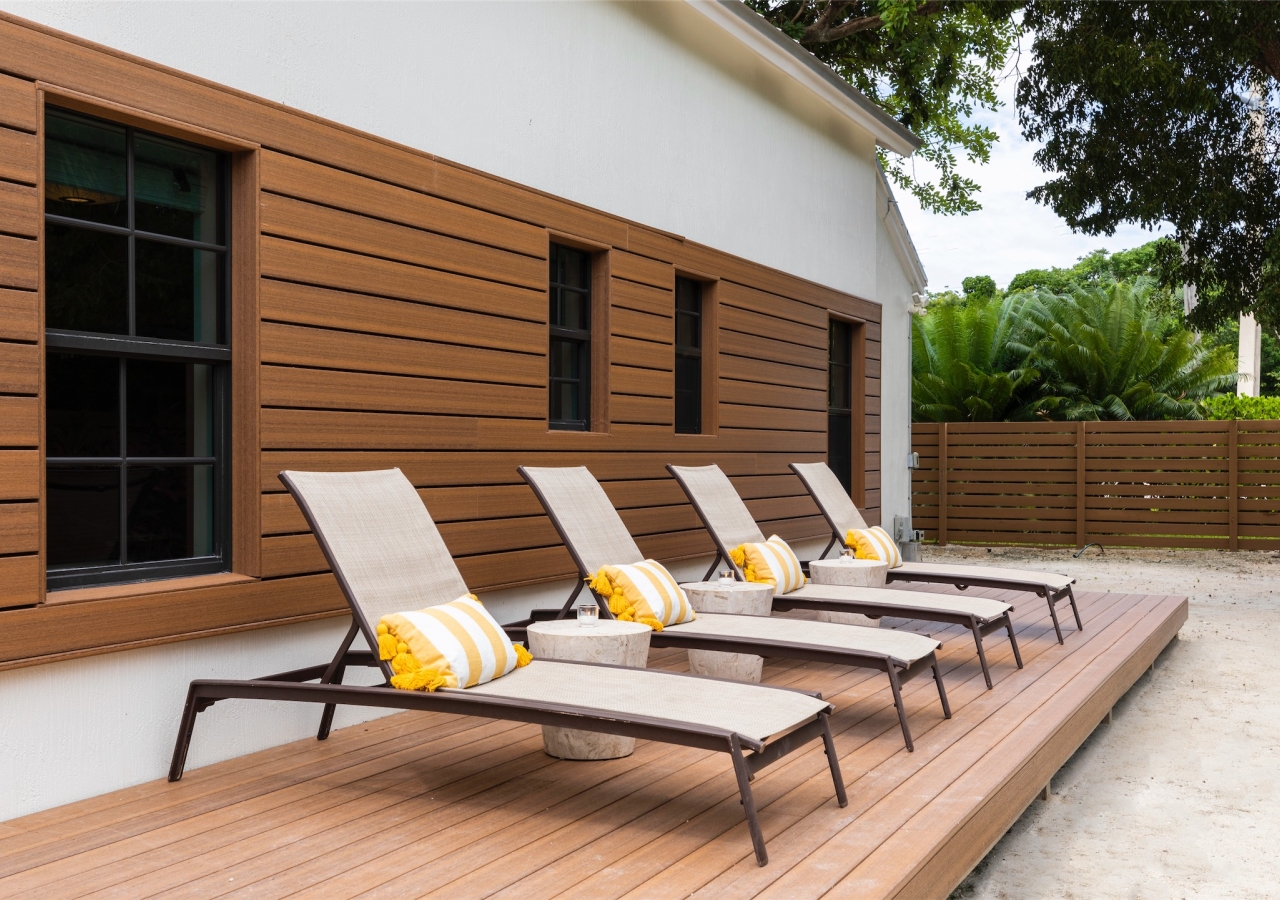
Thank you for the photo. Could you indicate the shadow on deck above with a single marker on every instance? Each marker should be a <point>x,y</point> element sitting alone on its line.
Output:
<point>416,803</point>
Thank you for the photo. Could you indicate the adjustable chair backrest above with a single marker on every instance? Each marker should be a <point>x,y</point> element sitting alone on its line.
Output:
<point>587,522</point>
<point>379,540</point>
<point>834,501</point>
<point>717,503</point>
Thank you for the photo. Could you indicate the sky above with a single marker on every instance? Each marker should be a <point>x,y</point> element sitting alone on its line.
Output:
<point>1010,234</point>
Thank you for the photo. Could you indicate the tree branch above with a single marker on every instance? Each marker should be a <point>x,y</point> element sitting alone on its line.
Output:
<point>822,32</point>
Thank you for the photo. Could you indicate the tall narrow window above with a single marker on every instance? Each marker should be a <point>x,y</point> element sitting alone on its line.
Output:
<point>137,359</point>
<point>570,339</point>
<point>840,402</point>
<point>688,356</point>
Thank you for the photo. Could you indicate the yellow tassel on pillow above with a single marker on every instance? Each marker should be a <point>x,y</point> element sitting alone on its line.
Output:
<point>739,558</point>
<point>623,609</point>
<point>386,643</point>
<point>523,656</point>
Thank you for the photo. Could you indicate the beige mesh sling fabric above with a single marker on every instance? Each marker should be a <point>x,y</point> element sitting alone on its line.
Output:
<point>388,556</point>
<point>842,515</point>
<point>726,517</point>
<point>595,535</point>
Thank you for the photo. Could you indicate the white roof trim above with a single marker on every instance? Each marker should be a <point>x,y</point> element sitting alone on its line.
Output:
<point>782,52</point>
<point>903,247</point>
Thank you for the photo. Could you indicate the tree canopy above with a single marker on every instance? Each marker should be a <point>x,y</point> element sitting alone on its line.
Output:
<point>930,63</point>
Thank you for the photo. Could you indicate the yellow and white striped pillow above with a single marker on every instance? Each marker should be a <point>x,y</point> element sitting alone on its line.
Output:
<point>772,562</point>
<point>645,592</point>
<point>456,644</point>
<point>874,543</point>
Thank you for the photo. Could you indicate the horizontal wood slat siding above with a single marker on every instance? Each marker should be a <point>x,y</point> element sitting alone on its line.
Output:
<point>402,315</point>
<point>1213,485</point>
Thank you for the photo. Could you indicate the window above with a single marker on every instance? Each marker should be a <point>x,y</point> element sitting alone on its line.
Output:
<point>840,402</point>
<point>569,378</point>
<point>688,356</point>
<point>137,356</point>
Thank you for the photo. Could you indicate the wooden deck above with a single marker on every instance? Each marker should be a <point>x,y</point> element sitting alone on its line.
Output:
<point>418,804</point>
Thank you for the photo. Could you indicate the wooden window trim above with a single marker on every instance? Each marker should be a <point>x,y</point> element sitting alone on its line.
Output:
<point>598,393</point>
<point>244,506</point>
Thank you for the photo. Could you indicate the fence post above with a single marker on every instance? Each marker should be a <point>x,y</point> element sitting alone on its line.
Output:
<point>1080,498</point>
<point>942,486</point>
<point>1233,484</point>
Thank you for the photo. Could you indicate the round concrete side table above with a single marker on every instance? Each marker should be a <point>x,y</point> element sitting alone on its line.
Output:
<point>608,641</point>
<point>852,573</point>
<point>736,598</point>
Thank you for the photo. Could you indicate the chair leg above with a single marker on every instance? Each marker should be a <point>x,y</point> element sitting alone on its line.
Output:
<point>1013,639</point>
<point>1071,595</point>
<point>1053,613</point>
<point>942,690</point>
<point>828,742</point>
<point>748,801</point>
<point>333,675</point>
<point>714,563</point>
<point>982,654</point>
<point>902,709</point>
<point>185,728</point>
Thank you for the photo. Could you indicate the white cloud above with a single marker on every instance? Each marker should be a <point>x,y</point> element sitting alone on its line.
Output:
<point>1011,233</point>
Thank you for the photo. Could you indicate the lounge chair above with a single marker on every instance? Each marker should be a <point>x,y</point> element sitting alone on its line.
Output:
<point>387,556</point>
<point>842,515</point>
<point>595,535</point>
<point>731,525</point>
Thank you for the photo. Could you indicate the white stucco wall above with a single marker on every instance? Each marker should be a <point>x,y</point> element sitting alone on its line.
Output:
<point>648,111</point>
<point>893,289</point>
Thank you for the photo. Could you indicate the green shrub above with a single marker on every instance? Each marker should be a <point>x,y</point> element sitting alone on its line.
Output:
<point>1229,406</point>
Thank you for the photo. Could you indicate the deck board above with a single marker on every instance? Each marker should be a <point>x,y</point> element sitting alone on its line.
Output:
<point>418,804</point>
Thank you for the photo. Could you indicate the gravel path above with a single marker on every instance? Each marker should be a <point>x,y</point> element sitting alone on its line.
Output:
<point>1179,797</point>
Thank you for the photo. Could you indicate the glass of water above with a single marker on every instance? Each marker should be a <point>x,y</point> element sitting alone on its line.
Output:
<point>588,614</point>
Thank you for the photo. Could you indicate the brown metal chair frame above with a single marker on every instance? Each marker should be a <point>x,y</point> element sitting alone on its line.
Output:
<point>977,625</point>
<point>1053,595</point>
<point>292,686</point>
<point>898,671</point>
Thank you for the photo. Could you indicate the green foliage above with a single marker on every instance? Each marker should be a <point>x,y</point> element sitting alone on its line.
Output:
<point>930,63</point>
<point>1102,356</point>
<point>979,287</point>
<point>1155,112</point>
<point>1229,406</point>
<point>968,363</point>
<point>1096,351</point>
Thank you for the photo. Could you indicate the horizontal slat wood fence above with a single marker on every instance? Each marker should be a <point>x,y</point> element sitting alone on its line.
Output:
<point>1211,485</point>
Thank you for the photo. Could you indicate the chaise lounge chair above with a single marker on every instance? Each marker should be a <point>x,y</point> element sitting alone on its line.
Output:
<point>842,515</point>
<point>731,525</point>
<point>387,556</point>
<point>595,536</point>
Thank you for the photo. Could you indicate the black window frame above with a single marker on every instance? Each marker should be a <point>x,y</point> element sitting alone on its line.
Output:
<point>840,418</point>
<point>688,414</point>
<point>580,338</point>
<point>129,347</point>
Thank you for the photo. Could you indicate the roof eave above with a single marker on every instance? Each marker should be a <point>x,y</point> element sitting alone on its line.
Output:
<point>764,39</point>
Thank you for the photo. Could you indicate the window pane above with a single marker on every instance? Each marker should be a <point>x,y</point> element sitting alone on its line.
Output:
<point>841,341</point>
<point>570,309</point>
<point>170,512</point>
<point>84,169</point>
<point>83,516</point>
<point>688,331</point>
<point>566,401</point>
<point>570,267</point>
<point>86,280</point>
<point>688,295</point>
<point>565,359</point>
<point>82,405</point>
<point>175,189</point>
<point>840,448</point>
<point>177,293</point>
<point>688,395</point>
<point>839,394</point>
<point>169,407</point>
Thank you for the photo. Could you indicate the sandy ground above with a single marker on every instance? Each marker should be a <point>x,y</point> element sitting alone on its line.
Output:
<point>1179,796</point>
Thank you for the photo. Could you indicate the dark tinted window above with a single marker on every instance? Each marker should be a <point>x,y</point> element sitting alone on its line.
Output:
<point>137,363</point>
<point>688,356</point>
<point>569,344</point>
<point>840,402</point>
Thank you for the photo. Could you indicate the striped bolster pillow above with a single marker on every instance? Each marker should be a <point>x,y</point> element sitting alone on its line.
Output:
<point>455,644</point>
<point>874,543</point>
<point>645,592</point>
<point>772,562</point>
